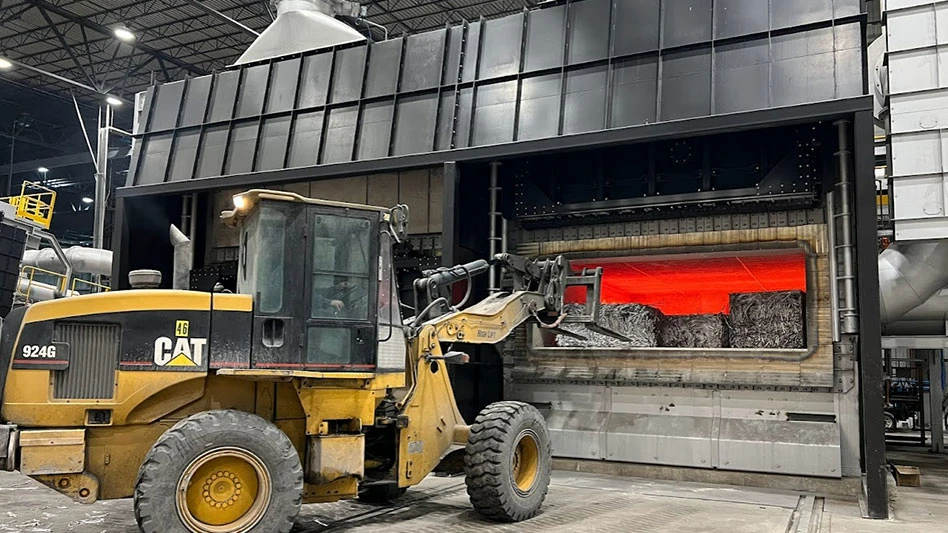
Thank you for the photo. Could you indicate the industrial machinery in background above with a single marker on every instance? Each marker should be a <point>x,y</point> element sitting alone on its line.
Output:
<point>32,274</point>
<point>228,410</point>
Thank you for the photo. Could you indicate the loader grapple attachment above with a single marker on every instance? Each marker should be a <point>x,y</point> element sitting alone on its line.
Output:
<point>591,279</point>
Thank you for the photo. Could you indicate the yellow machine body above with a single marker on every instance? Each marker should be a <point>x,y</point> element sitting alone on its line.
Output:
<point>145,404</point>
<point>90,383</point>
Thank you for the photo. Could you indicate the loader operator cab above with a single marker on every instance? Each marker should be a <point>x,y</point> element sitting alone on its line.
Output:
<point>322,279</point>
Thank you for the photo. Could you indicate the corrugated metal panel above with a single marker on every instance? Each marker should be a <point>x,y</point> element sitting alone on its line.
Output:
<point>93,356</point>
<point>512,72</point>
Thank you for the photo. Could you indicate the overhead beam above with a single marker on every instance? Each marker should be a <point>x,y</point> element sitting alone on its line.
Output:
<point>55,76</point>
<point>69,15</point>
<point>66,45</point>
<point>217,14</point>
<point>15,14</point>
<point>125,13</point>
<point>28,140</point>
<point>68,160</point>
<point>57,96</point>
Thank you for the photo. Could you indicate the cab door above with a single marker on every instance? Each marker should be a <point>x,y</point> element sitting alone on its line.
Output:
<point>341,290</point>
<point>271,269</point>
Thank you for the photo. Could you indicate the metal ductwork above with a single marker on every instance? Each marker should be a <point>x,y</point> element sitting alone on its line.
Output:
<point>909,275</point>
<point>83,260</point>
<point>38,291</point>
<point>303,25</point>
<point>933,309</point>
<point>930,318</point>
<point>182,259</point>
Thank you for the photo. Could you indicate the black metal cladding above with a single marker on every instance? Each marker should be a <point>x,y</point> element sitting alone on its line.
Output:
<point>580,66</point>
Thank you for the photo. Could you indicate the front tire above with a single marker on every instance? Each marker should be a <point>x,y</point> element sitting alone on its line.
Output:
<point>507,462</point>
<point>220,471</point>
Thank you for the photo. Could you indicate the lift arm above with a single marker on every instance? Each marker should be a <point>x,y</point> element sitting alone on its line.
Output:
<point>539,291</point>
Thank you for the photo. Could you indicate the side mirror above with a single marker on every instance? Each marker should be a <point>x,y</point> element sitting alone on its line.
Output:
<point>398,222</point>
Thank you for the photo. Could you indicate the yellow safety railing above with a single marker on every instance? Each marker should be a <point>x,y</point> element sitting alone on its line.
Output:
<point>98,287</point>
<point>29,273</point>
<point>35,203</point>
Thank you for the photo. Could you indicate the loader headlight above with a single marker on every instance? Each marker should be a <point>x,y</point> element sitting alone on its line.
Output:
<point>239,202</point>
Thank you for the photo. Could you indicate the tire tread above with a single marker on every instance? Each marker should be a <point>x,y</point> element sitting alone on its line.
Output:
<point>485,472</point>
<point>162,456</point>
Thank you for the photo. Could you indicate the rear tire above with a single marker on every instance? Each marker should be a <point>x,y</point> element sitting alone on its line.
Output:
<point>507,462</point>
<point>220,471</point>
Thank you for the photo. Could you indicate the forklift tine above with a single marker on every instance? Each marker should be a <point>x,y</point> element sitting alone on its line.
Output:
<point>608,332</point>
<point>568,333</point>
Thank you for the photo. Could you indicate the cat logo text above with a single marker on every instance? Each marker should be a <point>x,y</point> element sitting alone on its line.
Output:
<point>182,350</point>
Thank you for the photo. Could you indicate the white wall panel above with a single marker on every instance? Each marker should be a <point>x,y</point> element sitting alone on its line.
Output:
<point>917,42</point>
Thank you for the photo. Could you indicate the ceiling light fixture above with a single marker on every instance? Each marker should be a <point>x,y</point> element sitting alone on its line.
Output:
<point>42,170</point>
<point>123,34</point>
<point>87,200</point>
<point>113,101</point>
<point>5,64</point>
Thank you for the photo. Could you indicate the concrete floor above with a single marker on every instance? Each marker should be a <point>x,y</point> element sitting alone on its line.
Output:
<point>576,503</point>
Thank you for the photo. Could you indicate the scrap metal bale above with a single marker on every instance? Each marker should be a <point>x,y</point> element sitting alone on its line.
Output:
<point>637,322</point>
<point>693,331</point>
<point>768,320</point>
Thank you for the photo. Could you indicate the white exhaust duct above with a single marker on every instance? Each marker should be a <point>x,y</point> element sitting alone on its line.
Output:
<point>39,292</point>
<point>909,275</point>
<point>182,259</point>
<point>303,25</point>
<point>83,260</point>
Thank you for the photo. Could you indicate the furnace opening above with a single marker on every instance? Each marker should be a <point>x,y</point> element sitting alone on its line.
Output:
<point>720,300</point>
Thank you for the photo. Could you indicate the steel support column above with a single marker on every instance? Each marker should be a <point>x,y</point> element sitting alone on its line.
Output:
<point>936,395</point>
<point>493,282</point>
<point>870,342</point>
<point>101,176</point>
<point>119,246</point>
<point>449,227</point>
<point>10,166</point>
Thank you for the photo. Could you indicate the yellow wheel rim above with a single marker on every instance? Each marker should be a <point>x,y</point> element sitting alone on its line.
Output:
<point>525,461</point>
<point>224,490</point>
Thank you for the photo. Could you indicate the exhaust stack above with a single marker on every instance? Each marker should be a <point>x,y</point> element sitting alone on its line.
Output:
<point>303,25</point>
<point>182,259</point>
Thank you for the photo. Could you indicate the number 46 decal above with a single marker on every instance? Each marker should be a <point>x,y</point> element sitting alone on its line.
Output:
<point>32,351</point>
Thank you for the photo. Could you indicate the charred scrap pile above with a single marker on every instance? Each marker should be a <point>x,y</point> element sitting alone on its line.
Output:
<point>765,320</point>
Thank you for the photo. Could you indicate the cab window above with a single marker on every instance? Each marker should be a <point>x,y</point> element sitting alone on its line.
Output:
<point>270,239</point>
<point>341,267</point>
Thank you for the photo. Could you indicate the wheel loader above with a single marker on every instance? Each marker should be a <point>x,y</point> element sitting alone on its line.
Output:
<point>224,412</point>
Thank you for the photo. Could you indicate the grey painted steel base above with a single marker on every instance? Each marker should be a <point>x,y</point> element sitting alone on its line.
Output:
<point>743,430</point>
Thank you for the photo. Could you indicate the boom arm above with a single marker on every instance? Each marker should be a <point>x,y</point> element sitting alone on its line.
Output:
<point>489,321</point>
<point>539,288</point>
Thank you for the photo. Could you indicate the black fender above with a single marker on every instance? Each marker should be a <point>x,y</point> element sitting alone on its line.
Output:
<point>8,333</point>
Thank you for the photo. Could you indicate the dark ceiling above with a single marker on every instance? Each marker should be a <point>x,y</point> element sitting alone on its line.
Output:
<point>76,60</point>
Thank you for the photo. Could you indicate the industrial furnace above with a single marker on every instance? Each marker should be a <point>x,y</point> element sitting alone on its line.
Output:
<point>696,151</point>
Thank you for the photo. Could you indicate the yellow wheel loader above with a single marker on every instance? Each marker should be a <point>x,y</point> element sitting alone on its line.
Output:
<point>223,412</point>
